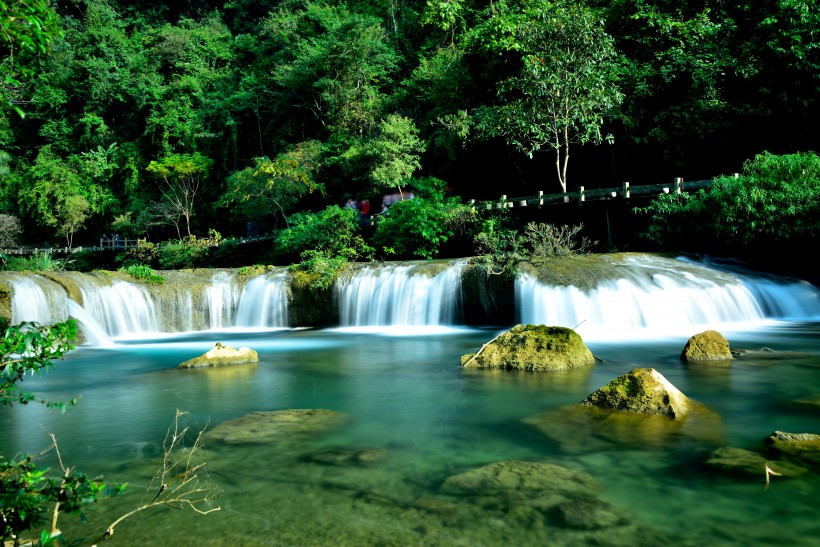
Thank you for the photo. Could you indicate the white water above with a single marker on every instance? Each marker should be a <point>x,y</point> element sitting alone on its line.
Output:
<point>40,300</point>
<point>666,297</point>
<point>263,302</point>
<point>223,298</point>
<point>403,296</point>
<point>121,308</point>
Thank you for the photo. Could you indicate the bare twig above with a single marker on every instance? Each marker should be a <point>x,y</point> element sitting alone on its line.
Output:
<point>181,481</point>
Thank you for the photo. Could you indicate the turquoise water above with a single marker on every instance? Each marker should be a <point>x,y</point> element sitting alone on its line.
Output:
<point>407,396</point>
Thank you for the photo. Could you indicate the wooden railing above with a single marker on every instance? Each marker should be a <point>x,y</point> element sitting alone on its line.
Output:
<point>626,191</point>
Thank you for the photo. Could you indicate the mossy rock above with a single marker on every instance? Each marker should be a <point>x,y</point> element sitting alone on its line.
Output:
<point>308,305</point>
<point>221,355</point>
<point>643,391</point>
<point>709,345</point>
<point>532,347</point>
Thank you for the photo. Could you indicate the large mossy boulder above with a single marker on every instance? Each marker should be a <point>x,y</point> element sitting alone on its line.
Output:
<point>532,347</point>
<point>644,391</point>
<point>709,345</point>
<point>221,355</point>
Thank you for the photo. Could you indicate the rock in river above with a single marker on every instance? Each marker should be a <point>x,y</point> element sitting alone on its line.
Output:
<point>532,347</point>
<point>709,345</point>
<point>277,425</point>
<point>221,355</point>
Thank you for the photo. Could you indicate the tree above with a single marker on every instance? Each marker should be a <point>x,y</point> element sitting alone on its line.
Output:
<point>566,84</point>
<point>9,230</point>
<point>276,185</point>
<point>25,26</point>
<point>180,179</point>
<point>72,213</point>
<point>396,152</point>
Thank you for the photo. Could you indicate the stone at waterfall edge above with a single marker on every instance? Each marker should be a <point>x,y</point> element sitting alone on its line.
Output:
<point>533,348</point>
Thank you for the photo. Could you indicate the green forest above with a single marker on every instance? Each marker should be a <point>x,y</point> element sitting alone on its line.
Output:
<point>197,120</point>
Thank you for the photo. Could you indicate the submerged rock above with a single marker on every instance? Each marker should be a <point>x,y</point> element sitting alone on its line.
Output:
<point>739,461</point>
<point>643,390</point>
<point>349,457</point>
<point>809,401</point>
<point>709,345</point>
<point>277,425</point>
<point>532,347</point>
<point>521,479</point>
<point>223,355</point>
<point>802,446</point>
<point>589,514</point>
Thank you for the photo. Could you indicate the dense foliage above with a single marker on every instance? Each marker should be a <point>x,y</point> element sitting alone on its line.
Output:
<point>774,202</point>
<point>164,120</point>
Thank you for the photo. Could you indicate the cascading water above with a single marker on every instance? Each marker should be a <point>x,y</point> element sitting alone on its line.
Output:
<point>263,302</point>
<point>668,295</point>
<point>400,296</point>
<point>223,298</point>
<point>37,299</point>
<point>120,308</point>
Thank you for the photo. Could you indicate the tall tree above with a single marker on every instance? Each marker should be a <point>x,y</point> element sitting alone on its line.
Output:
<point>180,177</point>
<point>566,84</point>
<point>396,152</point>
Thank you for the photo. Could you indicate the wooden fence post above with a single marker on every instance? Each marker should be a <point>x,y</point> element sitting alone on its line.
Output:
<point>678,185</point>
<point>626,190</point>
<point>581,195</point>
<point>540,198</point>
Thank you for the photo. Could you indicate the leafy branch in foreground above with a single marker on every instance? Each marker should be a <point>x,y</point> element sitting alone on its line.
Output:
<point>181,481</point>
<point>30,348</point>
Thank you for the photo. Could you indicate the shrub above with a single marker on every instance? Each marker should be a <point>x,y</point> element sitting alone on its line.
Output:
<point>176,255</point>
<point>324,269</point>
<point>145,253</point>
<point>334,231</point>
<point>774,201</point>
<point>419,226</point>
<point>143,272</point>
<point>38,262</point>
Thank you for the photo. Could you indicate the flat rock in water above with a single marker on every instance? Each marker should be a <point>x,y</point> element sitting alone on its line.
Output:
<point>532,347</point>
<point>221,355</point>
<point>521,479</point>
<point>277,425</point>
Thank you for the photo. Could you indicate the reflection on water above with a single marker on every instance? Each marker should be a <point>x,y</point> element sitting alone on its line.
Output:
<point>413,419</point>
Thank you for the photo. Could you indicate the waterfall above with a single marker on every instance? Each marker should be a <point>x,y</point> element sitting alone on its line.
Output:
<point>37,299</point>
<point>400,296</point>
<point>669,295</point>
<point>223,299</point>
<point>94,333</point>
<point>263,302</point>
<point>121,308</point>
